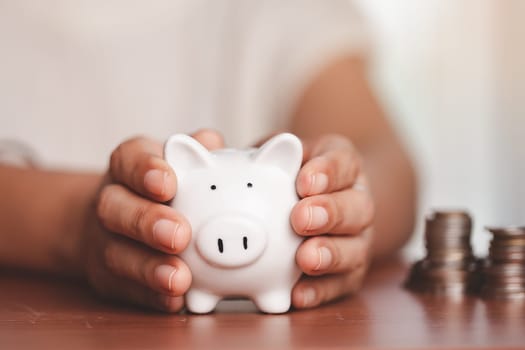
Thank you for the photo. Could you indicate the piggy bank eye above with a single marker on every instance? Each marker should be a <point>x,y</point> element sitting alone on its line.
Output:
<point>249,184</point>
<point>213,187</point>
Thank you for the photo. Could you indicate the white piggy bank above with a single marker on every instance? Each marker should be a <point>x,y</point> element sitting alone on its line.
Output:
<point>238,203</point>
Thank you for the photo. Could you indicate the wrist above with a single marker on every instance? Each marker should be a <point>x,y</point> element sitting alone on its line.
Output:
<point>79,213</point>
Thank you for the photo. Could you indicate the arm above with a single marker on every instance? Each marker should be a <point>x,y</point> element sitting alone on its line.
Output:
<point>340,101</point>
<point>354,166</point>
<point>41,213</point>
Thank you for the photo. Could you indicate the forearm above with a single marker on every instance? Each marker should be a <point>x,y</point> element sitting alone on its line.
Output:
<point>41,216</point>
<point>340,101</point>
<point>394,189</point>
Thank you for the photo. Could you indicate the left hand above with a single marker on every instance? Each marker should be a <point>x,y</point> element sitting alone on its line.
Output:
<point>335,215</point>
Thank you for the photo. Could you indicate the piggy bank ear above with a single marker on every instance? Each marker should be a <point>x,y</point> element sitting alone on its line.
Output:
<point>284,151</point>
<point>183,152</point>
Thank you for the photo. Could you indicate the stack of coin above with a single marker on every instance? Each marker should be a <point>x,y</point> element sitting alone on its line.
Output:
<point>450,266</point>
<point>503,272</point>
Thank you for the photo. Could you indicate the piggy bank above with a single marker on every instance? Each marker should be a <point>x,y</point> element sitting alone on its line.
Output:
<point>238,203</point>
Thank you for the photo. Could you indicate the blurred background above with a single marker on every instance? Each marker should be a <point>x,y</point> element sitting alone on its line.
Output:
<point>451,74</point>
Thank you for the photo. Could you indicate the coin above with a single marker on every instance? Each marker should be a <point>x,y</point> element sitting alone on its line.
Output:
<point>450,266</point>
<point>503,271</point>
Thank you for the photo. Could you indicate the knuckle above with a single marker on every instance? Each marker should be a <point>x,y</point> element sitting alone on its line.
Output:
<point>337,260</point>
<point>369,209</point>
<point>115,159</point>
<point>354,280</point>
<point>336,213</point>
<point>323,294</point>
<point>361,259</point>
<point>118,155</point>
<point>135,177</point>
<point>355,166</point>
<point>139,218</point>
<point>103,203</point>
<point>320,296</point>
<point>332,168</point>
<point>147,272</point>
<point>109,254</point>
<point>138,273</point>
<point>362,254</point>
<point>144,272</point>
<point>348,166</point>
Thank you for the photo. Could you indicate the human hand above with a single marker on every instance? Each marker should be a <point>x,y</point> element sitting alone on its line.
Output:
<point>131,238</point>
<point>335,215</point>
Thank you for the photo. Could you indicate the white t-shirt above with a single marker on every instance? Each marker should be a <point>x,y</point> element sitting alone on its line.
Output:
<point>79,77</point>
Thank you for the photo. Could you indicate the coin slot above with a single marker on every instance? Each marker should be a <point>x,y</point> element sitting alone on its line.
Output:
<point>245,242</point>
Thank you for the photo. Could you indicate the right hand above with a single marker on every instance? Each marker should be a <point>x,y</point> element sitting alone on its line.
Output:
<point>131,239</point>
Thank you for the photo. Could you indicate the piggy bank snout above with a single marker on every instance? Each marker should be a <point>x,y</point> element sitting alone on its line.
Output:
<point>231,241</point>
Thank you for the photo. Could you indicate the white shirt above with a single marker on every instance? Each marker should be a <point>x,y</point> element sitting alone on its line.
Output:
<point>79,77</point>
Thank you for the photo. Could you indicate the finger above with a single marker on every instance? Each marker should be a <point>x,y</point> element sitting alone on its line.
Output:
<point>333,170</point>
<point>154,224</point>
<point>121,289</point>
<point>209,138</point>
<point>138,164</point>
<point>333,254</point>
<point>345,212</point>
<point>313,147</point>
<point>163,273</point>
<point>313,291</point>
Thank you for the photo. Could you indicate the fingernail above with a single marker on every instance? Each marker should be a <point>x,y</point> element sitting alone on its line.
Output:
<point>165,232</point>
<point>155,181</point>
<point>325,259</point>
<point>319,183</point>
<point>318,217</point>
<point>308,296</point>
<point>164,275</point>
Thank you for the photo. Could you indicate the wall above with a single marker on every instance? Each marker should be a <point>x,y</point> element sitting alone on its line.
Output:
<point>451,76</point>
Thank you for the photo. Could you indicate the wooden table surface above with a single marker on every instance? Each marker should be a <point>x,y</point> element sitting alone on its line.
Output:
<point>42,313</point>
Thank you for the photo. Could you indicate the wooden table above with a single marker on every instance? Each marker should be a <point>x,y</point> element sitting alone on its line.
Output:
<point>41,313</point>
